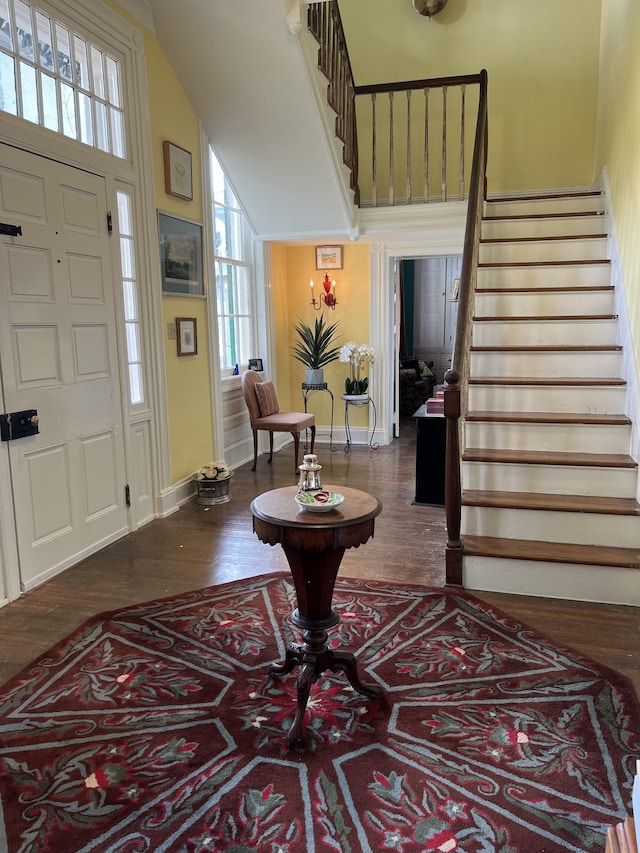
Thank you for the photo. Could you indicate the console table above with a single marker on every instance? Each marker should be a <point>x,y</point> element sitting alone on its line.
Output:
<point>314,544</point>
<point>307,391</point>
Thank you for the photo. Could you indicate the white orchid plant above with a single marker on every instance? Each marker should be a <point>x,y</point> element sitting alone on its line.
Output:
<point>357,357</point>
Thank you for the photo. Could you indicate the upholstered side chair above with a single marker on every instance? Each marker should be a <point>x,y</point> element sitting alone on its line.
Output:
<point>265,414</point>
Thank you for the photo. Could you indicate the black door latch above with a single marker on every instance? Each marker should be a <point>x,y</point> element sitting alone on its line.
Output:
<point>19,424</point>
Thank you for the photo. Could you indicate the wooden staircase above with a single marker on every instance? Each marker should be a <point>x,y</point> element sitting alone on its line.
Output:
<point>549,489</point>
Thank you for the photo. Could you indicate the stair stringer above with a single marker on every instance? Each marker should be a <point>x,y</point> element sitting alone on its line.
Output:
<point>543,560</point>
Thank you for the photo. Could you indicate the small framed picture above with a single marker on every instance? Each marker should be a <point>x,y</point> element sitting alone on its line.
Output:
<point>455,290</point>
<point>256,364</point>
<point>178,178</point>
<point>328,257</point>
<point>180,256</point>
<point>187,335</point>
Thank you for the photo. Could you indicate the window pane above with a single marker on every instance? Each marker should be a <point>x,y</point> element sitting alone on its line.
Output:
<point>113,82</point>
<point>129,294</point>
<point>63,40</point>
<point>8,101</point>
<point>102,134</point>
<point>124,214</point>
<point>29,92</point>
<point>126,255</point>
<point>97,71</point>
<point>133,347</point>
<point>117,132</point>
<point>49,102</point>
<point>45,49</point>
<point>6,37</point>
<point>82,64</point>
<point>24,30</point>
<point>84,115</point>
<point>135,384</point>
<point>68,105</point>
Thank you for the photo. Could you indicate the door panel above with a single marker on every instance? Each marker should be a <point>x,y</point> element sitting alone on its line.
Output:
<point>58,355</point>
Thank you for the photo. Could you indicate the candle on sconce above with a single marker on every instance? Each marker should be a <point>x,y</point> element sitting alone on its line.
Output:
<point>333,284</point>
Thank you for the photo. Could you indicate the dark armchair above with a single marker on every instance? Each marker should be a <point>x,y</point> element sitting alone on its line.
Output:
<point>414,388</point>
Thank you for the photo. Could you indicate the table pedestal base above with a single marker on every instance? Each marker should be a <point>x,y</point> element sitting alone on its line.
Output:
<point>314,657</point>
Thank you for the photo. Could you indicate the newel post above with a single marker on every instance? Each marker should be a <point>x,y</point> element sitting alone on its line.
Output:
<point>452,486</point>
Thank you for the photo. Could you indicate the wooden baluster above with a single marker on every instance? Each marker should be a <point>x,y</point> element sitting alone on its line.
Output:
<point>408,146</point>
<point>463,90</point>
<point>426,145</point>
<point>374,155</point>
<point>444,143</point>
<point>391,170</point>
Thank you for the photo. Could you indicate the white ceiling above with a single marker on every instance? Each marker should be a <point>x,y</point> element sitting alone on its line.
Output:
<point>245,76</point>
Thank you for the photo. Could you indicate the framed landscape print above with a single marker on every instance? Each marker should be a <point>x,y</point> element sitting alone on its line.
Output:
<point>328,257</point>
<point>180,256</point>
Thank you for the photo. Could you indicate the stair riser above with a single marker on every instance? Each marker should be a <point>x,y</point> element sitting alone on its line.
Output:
<point>576,528</point>
<point>577,438</point>
<point>549,479</point>
<point>574,275</point>
<point>572,581</point>
<point>592,249</point>
<point>546,364</point>
<point>544,304</point>
<point>530,398</point>
<point>512,229</point>
<point>494,333</point>
<point>539,207</point>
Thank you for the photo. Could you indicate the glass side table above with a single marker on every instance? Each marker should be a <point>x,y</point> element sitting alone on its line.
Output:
<point>308,390</point>
<point>358,400</point>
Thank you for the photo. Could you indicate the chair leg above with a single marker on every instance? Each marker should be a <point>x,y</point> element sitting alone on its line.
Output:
<point>296,449</point>
<point>255,448</point>
<point>313,436</point>
<point>270,447</point>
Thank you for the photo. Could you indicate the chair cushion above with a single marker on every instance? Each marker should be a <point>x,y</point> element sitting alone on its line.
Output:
<point>267,399</point>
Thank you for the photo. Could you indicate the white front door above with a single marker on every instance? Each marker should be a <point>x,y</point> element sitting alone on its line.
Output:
<point>58,354</point>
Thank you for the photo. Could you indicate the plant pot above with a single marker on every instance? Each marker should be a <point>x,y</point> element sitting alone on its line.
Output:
<point>211,492</point>
<point>314,377</point>
<point>356,399</point>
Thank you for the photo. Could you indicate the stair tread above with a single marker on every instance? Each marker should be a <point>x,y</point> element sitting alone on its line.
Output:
<point>545,318</point>
<point>550,502</point>
<point>548,417</point>
<point>544,239</point>
<point>555,382</point>
<point>559,348</point>
<point>538,216</point>
<point>594,288</point>
<point>546,196</point>
<point>556,263</point>
<point>550,457</point>
<point>553,552</point>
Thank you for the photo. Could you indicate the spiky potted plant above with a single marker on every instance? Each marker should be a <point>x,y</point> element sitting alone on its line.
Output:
<point>315,348</point>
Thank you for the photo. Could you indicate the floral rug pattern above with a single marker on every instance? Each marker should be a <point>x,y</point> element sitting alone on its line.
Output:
<point>155,728</point>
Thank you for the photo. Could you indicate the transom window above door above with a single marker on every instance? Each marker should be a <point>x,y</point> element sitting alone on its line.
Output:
<point>54,77</point>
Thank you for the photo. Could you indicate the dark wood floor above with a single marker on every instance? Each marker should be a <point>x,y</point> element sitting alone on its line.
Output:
<point>198,546</point>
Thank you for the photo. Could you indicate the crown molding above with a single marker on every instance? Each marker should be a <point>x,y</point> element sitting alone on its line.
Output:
<point>141,10</point>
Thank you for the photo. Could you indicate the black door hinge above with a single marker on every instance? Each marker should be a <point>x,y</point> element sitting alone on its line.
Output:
<point>127,495</point>
<point>109,223</point>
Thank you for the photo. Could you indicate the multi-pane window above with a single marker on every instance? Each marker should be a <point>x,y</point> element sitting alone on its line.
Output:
<point>54,77</point>
<point>130,298</point>
<point>233,272</point>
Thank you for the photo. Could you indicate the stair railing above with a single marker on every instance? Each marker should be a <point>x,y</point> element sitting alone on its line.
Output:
<point>455,378</point>
<point>417,151</point>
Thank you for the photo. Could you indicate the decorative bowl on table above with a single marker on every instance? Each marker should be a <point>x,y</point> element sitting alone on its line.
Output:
<point>319,501</point>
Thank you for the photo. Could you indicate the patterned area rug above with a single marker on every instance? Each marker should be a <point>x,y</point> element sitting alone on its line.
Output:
<point>153,729</point>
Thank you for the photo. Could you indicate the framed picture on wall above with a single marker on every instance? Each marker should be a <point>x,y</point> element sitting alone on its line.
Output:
<point>180,256</point>
<point>178,178</point>
<point>187,335</point>
<point>328,257</point>
<point>256,364</point>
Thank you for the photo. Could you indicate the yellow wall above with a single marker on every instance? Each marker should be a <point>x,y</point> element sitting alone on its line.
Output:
<point>618,135</point>
<point>352,314</point>
<point>189,387</point>
<point>542,62</point>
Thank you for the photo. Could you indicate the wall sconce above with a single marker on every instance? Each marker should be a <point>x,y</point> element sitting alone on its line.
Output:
<point>327,298</point>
